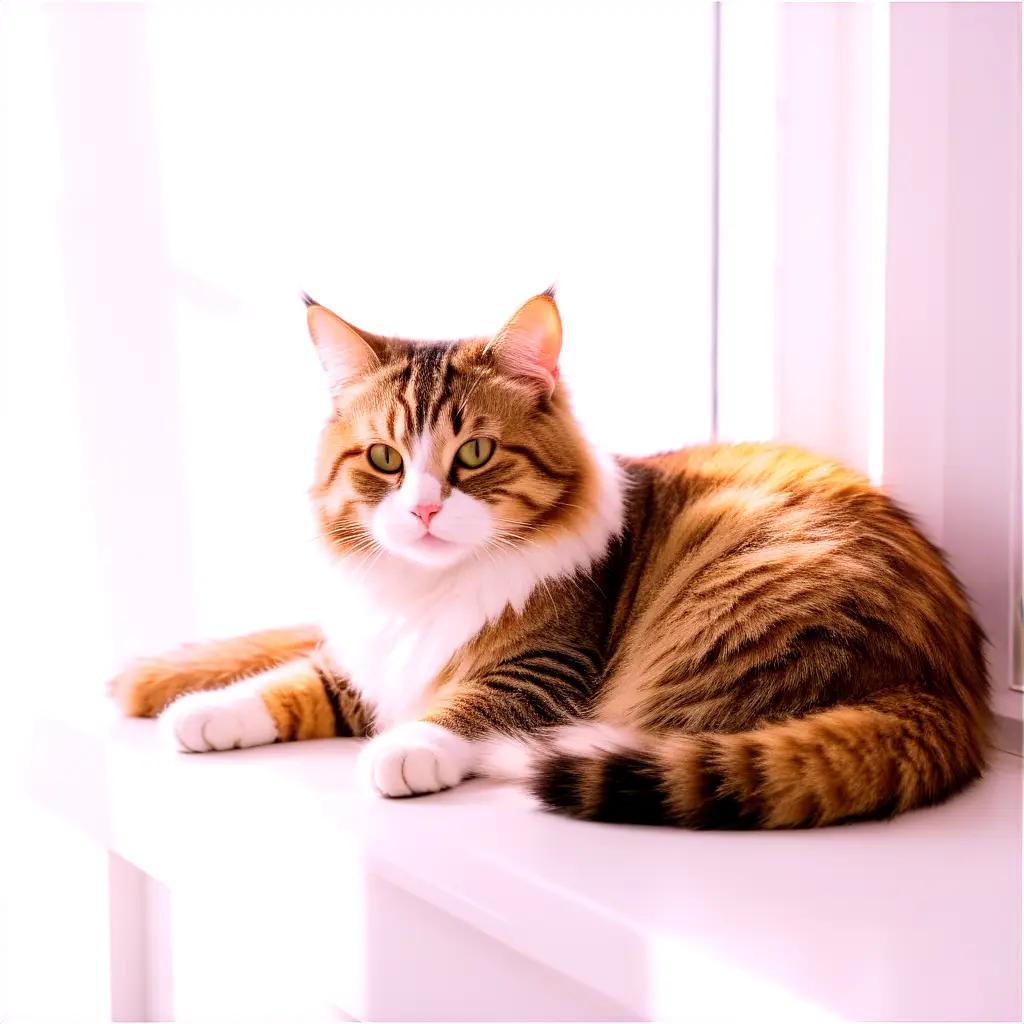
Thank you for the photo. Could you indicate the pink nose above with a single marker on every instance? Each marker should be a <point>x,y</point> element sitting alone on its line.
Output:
<point>424,513</point>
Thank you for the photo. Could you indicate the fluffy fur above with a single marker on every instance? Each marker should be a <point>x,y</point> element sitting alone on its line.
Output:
<point>725,636</point>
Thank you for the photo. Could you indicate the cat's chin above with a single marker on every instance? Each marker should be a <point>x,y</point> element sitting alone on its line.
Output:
<point>432,552</point>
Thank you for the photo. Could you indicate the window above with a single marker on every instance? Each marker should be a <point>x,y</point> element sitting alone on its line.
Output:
<point>876,314</point>
<point>421,168</point>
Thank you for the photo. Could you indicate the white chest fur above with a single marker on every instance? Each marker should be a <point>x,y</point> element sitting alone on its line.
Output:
<point>391,626</point>
<point>392,636</point>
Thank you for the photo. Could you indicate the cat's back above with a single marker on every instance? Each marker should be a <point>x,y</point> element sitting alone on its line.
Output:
<point>768,468</point>
<point>689,509</point>
<point>771,538</point>
<point>748,493</point>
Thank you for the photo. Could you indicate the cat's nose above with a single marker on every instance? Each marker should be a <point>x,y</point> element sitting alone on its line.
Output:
<point>424,513</point>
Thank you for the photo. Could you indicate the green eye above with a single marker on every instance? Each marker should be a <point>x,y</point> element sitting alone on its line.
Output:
<point>384,458</point>
<point>473,454</point>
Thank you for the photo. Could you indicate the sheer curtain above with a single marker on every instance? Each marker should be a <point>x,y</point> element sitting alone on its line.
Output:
<point>185,169</point>
<point>171,176</point>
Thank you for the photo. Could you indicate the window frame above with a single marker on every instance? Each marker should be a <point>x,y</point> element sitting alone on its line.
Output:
<point>841,346</point>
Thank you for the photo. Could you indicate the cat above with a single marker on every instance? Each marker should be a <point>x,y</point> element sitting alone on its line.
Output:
<point>726,636</point>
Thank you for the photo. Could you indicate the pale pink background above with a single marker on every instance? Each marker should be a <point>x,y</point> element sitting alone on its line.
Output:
<point>101,323</point>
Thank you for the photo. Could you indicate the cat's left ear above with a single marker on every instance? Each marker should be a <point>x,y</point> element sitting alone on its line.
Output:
<point>345,354</point>
<point>527,347</point>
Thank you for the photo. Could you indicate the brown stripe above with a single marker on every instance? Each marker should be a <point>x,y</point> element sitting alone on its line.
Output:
<point>348,453</point>
<point>400,383</point>
<point>392,374</point>
<point>481,482</point>
<point>443,390</point>
<point>409,424</point>
<point>538,463</point>
<point>525,499</point>
<point>341,725</point>
<point>556,510</point>
<point>370,486</point>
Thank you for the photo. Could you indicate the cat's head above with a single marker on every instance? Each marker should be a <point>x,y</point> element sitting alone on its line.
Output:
<point>439,452</point>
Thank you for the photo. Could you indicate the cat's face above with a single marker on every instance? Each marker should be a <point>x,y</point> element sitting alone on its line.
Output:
<point>441,452</point>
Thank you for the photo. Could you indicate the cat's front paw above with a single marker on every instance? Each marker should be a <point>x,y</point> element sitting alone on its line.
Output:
<point>413,758</point>
<point>217,720</point>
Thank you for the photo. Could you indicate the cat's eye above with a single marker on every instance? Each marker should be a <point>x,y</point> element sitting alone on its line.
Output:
<point>473,454</point>
<point>384,458</point>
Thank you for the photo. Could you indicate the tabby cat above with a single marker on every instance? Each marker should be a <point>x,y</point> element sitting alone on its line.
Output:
<point>720,637</point>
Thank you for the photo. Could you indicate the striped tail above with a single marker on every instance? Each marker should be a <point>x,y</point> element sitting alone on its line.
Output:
<point>873,760</point>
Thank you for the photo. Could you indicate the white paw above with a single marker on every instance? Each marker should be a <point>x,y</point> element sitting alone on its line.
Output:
<point>218,720</point>
<point>415,757</point>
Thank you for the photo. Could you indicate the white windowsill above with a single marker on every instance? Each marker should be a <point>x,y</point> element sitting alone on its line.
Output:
<point>914,919</point>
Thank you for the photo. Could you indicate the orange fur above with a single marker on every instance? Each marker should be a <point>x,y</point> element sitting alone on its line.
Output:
<point>779,641</point>
<point>296,698</point>
<point>796,651</point>
<point>145,687</point>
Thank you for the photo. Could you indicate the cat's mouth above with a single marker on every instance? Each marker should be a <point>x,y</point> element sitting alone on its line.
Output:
<point>430,550</point>
<point>430,541</point>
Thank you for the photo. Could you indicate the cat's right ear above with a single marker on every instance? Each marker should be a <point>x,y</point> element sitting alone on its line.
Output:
<point>343,351</point>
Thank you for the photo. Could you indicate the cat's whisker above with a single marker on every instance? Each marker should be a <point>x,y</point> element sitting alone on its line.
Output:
<point>504,543</point>
<point>348,531</point>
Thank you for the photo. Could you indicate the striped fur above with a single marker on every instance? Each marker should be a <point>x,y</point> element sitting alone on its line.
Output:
<point>792,650</point>
<point>721,637</point>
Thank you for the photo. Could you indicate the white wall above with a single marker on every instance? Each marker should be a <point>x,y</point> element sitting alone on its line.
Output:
<point>952,370</point>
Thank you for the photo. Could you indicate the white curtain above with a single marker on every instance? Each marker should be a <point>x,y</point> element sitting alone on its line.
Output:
<point>170,176</point>
<point>181,171</point>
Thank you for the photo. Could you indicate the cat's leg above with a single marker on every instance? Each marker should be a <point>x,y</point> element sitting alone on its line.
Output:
<point>540,687</point>
<point>300,700</point>
<point>145,687</point>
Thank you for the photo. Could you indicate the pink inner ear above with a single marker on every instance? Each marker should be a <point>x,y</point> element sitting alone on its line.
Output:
<point>529,344</point>
<point>343,353</point>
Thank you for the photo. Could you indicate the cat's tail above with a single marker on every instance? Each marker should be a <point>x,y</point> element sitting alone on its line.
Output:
<point>145,687</point>
<point>872,760</point>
